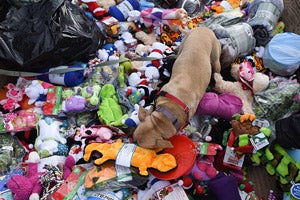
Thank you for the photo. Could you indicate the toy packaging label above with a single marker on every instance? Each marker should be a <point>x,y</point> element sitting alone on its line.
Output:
<point>69,188</point>
<point>53,101</point>
<point>231,159</point>
<point>125,154</point>
<point>172,192</point>
<point>259,141</point>
<point>123,162</point>
<point>123,173</point>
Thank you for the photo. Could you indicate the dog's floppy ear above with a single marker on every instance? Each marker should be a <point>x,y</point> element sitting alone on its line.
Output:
<point>142,114</point>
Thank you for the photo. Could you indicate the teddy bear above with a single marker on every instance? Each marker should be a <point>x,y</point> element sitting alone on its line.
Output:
<point>247,83</point>
<point>27,186</point>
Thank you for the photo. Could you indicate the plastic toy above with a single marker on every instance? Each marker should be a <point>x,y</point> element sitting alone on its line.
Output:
<point>141,158</point>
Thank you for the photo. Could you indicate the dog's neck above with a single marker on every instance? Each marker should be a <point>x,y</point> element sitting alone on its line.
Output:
<point>173,111</point>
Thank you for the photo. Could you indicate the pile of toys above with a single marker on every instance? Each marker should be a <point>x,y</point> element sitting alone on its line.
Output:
<point>69,135</point>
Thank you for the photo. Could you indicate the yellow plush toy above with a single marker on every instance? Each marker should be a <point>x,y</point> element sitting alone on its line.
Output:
<point>130,155</point>
<point>227,5</point>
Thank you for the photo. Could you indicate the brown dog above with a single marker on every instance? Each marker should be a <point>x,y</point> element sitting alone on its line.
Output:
<point>198,57</point>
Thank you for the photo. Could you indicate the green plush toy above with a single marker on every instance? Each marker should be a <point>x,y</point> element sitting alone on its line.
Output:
<point>279,164</point>
<point>110,112</point>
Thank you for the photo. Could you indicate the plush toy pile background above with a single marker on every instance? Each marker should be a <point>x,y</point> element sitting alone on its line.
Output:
<point>62,134</point>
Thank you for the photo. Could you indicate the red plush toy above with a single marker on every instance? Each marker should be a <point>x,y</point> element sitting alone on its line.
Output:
<point>94,8</point>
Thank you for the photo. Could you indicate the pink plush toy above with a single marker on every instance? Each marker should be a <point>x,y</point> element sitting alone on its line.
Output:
<point>14,96</point>
<point>28,186</point>
<point>96,133</point>
<point>203,168</point>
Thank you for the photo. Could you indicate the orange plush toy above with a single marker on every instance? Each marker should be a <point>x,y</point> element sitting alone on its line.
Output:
<point>227,5</point>
<point>141,158</point>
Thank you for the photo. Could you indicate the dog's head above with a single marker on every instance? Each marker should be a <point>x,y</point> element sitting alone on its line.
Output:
<point>153,130</point>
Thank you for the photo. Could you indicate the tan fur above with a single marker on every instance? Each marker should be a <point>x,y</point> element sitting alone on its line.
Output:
<point>198,57</point>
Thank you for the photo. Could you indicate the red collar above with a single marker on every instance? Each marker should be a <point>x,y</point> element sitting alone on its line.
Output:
<point>175,99</point>
<point>179,102</point>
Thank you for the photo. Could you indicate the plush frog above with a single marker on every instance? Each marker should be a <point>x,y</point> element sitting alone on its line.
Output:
<point>110,112</point>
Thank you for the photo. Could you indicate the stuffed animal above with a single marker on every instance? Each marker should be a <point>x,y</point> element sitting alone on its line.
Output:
<point>14,95</point>
<point>36,92</point>
<point>95,8</point>
<point>220,105</point>
<point>246,85</point>
<point>225,5</point>
<point>133,119</point>
<point>28,186</point>
<point>110,111</point>
<point>96,133</point>
<point>134,94</point>
<point>50,141</point>
<point>141,158</point>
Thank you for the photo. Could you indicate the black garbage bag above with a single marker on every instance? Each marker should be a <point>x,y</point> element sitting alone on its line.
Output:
<point>4,8</point>
<point>47,34</point>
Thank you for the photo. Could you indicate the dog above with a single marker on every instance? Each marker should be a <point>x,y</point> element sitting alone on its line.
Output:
<point>197,59</point>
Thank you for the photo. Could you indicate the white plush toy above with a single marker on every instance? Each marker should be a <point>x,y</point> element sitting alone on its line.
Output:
<point>49,137</point>
<point>34,91</point>
<point>156,51</point>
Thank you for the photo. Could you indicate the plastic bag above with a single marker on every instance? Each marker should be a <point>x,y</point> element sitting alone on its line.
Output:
<point>47,34</point>
<point>279,99</point>
<point>282,55</point>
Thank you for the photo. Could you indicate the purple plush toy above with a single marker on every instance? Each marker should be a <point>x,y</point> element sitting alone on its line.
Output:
<point>74,104</point>
<point>223,105</point>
